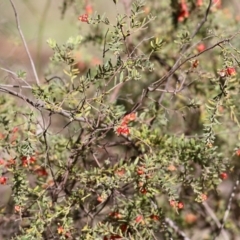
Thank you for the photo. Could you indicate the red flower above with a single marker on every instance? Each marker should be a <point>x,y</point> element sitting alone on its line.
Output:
<point>190,218</point>
<point>171,168</point>
<point>199,3</point>
<point>180,205</point>
<point>116,215</point>
<point>223,176</point>
<point>203,197</point>
<point>60,230</point>
<point>24,161</point>
<point>123,129</point>
<point>238,152</point>
<point>217,3</point>
<point>154,217</point>
<point>183,13</point>
<point>123,227</point>
<point>3,180</point>
<point>83,18</point>
<point>48,184</point>
<point>13,137</point>
<point>143,190</point>
<point>32,159</point>
<point>2,136</point>
<point>95,61</point>
<point>17,208</point>
<point>176,204</point>
<point>231,71</point>
<point>28,160</point>
<point>88,9</point>
<point>140,170</point>
<point>41,172</point>
<point>221,109</point>
<point>2,162</point>
<point>195,63</point>
<point>140,184</point>
<point>113,237</point>
<point>10,163</point>
<point>201,47</point>
<point>99,199</point>
<point>173,203</point>
<point>128,118</point>
<point>120,172</point>
<point>15,129</point>
<point>146,10</point>
<point>139,219</point>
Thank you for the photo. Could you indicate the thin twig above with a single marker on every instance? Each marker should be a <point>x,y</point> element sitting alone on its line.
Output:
<point>215,219</point>
<point>15,75</point>
<point>185,48</point>
<point>172,225</point>
<point>41,105</point>
<point>174,69</point>
<point>24,43</point>
<point>157,83</point>
<point>229,205</point>
<point>9,71</point>
<point>143,40</point>
<point>96,160</point>
<point>15,86</point>
<point>104,45</point>
<point>199,26</point>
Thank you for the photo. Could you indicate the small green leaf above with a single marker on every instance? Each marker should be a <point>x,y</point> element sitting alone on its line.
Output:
<point>52,43</point>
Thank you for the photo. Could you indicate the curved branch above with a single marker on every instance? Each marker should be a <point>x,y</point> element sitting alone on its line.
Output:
<point>24,43</point>
<point>40,105</point>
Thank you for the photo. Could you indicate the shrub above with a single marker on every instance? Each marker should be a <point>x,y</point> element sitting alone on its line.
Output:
<point>132,145</point>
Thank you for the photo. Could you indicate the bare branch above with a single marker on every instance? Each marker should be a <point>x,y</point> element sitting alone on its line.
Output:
<point>24,43</point>
<point>176,66</point>
<point>15,76</point>
<point>40,105</point>
<point>199,26</point>
<point>14,86</point>
<point>232,195</point>
<point>215,219</point>
<point>172,225</point>
<point>186,46</point>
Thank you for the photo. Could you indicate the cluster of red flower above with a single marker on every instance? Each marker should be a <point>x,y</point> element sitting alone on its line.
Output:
<point>184,12</point>
<point>229,71</point>
<point>88,10</point>
<point>176,204</point>
<point>26,161</point>
<point>123,128</point>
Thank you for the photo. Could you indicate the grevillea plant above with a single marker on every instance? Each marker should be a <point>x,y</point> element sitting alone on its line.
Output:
<point>138,142</point>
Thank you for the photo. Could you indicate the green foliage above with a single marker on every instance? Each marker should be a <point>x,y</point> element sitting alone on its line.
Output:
<point>125,147</point>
